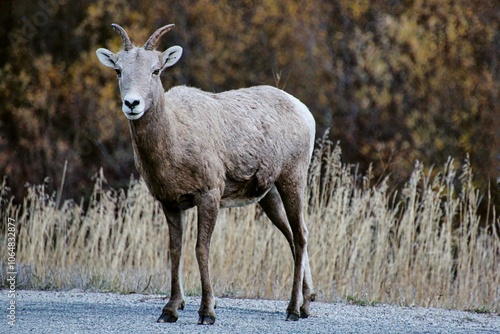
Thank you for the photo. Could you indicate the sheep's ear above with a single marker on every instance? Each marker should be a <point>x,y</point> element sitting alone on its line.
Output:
<point>106,57</point>
<point>171,56</point>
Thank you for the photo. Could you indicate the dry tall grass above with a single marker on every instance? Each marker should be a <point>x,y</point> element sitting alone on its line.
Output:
<point>424,246</point>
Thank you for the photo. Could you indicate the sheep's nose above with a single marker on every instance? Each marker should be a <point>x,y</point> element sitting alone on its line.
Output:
<point>132,104</point>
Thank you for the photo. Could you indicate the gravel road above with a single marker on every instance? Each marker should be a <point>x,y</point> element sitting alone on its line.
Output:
<point>85,312</point>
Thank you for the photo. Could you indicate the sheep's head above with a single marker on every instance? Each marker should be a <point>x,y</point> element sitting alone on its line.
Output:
<point>139,69</point>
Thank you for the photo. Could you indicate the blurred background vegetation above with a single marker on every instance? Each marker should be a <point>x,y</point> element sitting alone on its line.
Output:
<point>395,80</point>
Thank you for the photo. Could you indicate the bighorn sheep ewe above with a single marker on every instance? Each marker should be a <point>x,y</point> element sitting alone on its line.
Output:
<point>212,151</point>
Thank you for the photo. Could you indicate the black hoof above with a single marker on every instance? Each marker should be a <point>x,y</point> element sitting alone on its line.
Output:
<point>292,317</point>
<point>206,320</point>
<point>165,317</point>
<point>304,314</point>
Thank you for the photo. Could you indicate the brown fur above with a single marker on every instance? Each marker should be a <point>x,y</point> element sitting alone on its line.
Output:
<point>212,151</point>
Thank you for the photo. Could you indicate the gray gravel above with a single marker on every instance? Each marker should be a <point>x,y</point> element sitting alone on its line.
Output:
<point>85,312</point>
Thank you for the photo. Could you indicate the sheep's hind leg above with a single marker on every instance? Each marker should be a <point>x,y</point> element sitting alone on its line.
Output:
<point>291,188</point>
<point>275,210</point>
<point>175,219</point>
<point>307,288</point>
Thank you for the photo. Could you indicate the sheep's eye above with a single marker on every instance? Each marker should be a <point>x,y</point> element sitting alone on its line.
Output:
<point>156,72</point>
<point>118,72</point>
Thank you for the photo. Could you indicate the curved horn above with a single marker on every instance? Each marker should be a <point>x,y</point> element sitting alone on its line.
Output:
<point>127,44</point>
<point>151,43</point>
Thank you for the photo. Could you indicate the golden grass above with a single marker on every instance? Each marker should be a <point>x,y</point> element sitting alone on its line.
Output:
<point>424,246</point>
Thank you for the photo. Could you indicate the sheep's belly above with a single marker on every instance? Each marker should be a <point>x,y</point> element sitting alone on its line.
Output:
<point>232,202</point>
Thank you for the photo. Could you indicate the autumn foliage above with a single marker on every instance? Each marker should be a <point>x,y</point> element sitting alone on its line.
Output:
<point>396,81</point>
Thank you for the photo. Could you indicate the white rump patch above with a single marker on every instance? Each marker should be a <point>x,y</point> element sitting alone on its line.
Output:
<point>308,119</point>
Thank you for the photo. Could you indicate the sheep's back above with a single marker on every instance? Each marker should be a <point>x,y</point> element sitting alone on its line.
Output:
<point>250,135</point>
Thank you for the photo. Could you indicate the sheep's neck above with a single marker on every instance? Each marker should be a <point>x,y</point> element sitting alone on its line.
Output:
<point>153,135</point>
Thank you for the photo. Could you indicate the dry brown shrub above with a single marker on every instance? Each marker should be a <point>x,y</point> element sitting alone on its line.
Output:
<point>424,246</point>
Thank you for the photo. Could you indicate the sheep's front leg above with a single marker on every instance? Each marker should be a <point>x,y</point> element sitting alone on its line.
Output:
<point>175,219</point>
<point>208,208</point>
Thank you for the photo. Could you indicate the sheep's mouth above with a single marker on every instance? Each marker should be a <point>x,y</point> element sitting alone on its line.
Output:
<point>133,115</point>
